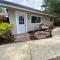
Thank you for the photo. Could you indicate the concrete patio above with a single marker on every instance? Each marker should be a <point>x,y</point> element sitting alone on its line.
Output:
<point>43,49</point>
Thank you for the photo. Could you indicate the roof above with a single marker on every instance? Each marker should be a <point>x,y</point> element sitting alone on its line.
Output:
<point>3,3</point>
<point>18,5</point>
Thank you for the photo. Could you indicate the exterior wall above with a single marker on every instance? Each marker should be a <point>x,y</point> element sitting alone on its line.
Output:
<point>32,26</point>
<point>45,20</point>
<point>12,19</point>
<point>29,26</point>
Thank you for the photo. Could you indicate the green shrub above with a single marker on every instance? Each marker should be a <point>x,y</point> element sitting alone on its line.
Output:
<point>4,27</point>
<point>57,22</point>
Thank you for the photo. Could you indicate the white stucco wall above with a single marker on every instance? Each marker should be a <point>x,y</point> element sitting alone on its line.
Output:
<point>45,20</point>
<point>32,26</point>
<point>12,19</point>
<point>13,13</point>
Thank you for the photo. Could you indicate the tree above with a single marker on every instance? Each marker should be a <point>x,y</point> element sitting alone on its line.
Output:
<point>45,5</point>
<point>53,7</point>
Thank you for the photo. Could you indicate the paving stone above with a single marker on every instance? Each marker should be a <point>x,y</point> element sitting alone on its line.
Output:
<point>22,37</point>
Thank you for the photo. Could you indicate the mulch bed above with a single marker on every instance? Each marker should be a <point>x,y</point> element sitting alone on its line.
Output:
<point>32,37</point>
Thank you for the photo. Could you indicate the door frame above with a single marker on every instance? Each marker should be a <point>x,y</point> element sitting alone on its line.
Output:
<point>25,18</point>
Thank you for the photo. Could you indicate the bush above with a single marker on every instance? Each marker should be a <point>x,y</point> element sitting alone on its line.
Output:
<point>5,32</point>
<point>4,27</point>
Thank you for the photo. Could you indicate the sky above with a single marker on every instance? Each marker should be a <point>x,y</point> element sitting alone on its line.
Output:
<point>30,3</point>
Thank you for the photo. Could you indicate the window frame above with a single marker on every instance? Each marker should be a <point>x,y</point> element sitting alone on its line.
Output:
<point>36,16</point>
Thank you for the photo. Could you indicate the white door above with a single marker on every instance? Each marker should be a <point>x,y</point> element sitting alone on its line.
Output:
<point>21,24</point>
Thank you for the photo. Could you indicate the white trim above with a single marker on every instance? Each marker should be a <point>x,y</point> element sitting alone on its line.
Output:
<point>26,22</point>
<point>36,16</point>
<point>6,5</point>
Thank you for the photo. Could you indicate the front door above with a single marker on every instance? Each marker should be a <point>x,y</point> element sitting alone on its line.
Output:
<point>21,24</point>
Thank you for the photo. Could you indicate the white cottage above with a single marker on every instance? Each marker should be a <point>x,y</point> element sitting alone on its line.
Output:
<point>25,19</point>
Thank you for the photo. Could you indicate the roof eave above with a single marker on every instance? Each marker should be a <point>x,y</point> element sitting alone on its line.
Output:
<point>11,6</point>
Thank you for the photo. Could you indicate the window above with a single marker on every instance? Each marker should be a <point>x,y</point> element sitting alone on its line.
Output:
<point>38,19</point>
<point>21,20</point>
<point>51,19</point>
<point>35,19</point>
